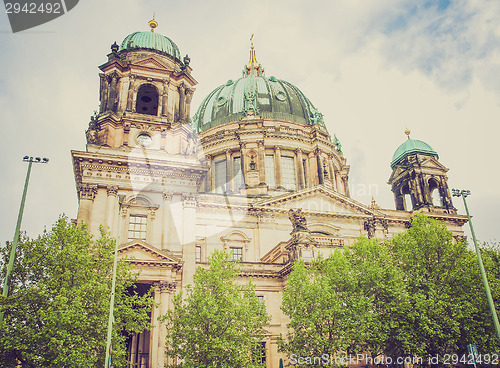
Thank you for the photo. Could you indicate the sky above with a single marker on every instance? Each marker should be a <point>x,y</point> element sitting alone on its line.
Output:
<point>372,67</point>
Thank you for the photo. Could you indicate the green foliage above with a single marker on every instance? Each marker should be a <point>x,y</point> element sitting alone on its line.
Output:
<point>57,311</point>
<point>219,322</point>
<point>343,303</point>
<point>418,295</point>
<point>447,306</point>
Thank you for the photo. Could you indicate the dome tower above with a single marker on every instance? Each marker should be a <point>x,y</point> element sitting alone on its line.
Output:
<point>144,79</point>
<point>418,180</point>
<point>263,136</point>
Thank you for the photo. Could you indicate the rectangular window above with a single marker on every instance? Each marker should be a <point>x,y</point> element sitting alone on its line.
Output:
<point>236,254</point>
<point>137,227</point>
<point>288,172</point>
<point>238,176</point>
<point>198,254</point>
<point>220,176</point>
<point>260,298</point>
<point>270,178</point>
<point>260,353</point>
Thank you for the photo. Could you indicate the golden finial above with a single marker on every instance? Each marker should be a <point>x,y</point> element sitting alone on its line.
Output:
<point>407,132</point>
<point>153,24</point>
<point>253,59</point>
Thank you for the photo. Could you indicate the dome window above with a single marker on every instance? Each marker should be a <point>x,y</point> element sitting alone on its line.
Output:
<point>147,100</point>
<point>280,96</point>
<point>221,101</point>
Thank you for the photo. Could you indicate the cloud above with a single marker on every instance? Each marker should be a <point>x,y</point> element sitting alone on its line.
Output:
<point>372,67</point>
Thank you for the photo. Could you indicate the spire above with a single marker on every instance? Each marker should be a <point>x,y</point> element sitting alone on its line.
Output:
<point>253,67</point>
<point>407,132</point>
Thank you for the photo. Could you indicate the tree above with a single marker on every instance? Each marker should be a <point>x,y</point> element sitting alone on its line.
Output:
<point>344,303</point>
<point>380,279</point>
<point>57,311</point>
<point>447,304</point>
<point>219,323</point>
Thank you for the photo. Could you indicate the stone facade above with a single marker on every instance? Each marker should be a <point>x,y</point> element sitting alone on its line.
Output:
<point>178,209</point>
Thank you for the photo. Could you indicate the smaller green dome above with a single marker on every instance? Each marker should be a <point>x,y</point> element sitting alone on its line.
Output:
<point>151,41</point>
<point>409,147</point>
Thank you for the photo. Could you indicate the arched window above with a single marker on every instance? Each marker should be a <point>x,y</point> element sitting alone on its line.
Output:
<point>405,191</point>
<point>147,100</point>
<point>435,193</point>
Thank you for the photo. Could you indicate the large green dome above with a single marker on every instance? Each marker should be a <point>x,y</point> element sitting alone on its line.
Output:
<point>269,98</point>
<point>150,40</point>
<point>411,146</point>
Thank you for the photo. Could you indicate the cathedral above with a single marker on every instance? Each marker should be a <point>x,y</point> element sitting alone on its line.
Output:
<point>254,172</point>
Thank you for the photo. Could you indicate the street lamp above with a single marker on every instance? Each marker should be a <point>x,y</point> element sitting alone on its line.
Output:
<point>107,362</point>
<point>464,194</point>
<point>30,161</point>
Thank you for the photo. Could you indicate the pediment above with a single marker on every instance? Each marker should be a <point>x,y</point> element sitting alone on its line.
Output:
<point>151,62</point>
<point>428,165</point>
<point>138,251</point>
<point>317,199</point>
<point>433,163</point>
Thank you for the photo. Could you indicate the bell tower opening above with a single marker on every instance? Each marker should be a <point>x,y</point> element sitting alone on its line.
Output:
<point>147,100</point>
<point>436,198</point>
<point>407,198</point>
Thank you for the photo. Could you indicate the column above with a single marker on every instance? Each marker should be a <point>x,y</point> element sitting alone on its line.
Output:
<point>302,179</point>
<point>133,352</point>
<point>209,178</point>
<point>182,102</point>
<point>313,173</point>
<point>126,132</point>
<point>321,178</point>
<point>243,151</point>
<point>189,97</point>
<point>111,202</point>
<point>164,104</point>
<point>131,90</point>
<point>150,222</point>
<point>277,166</point>
<point>104,92</point>
<point>167,290</point>
<point>333,174</point>
<point>155,331</point>
<point>261,161</point>
<point>229,171</point>
<point>167,221</point>
<point>112,91</point>
<point>338,179</point>
<point>87,193</point>
<point>189,237</point>
<point>140,350</point>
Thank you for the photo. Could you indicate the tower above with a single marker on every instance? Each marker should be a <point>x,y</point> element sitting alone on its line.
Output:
<point>140,146</point>
<point>418,179</point>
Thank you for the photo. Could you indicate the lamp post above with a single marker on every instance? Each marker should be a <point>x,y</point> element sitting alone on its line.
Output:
<point>107,362</point>
<point>30,160</point>
<point>464,194</point>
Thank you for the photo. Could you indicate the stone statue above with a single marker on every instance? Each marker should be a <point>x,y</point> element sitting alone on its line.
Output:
<point>337,144</point>
<point>298,220</point>
<point>91,132</point>
<point>191,144</point>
